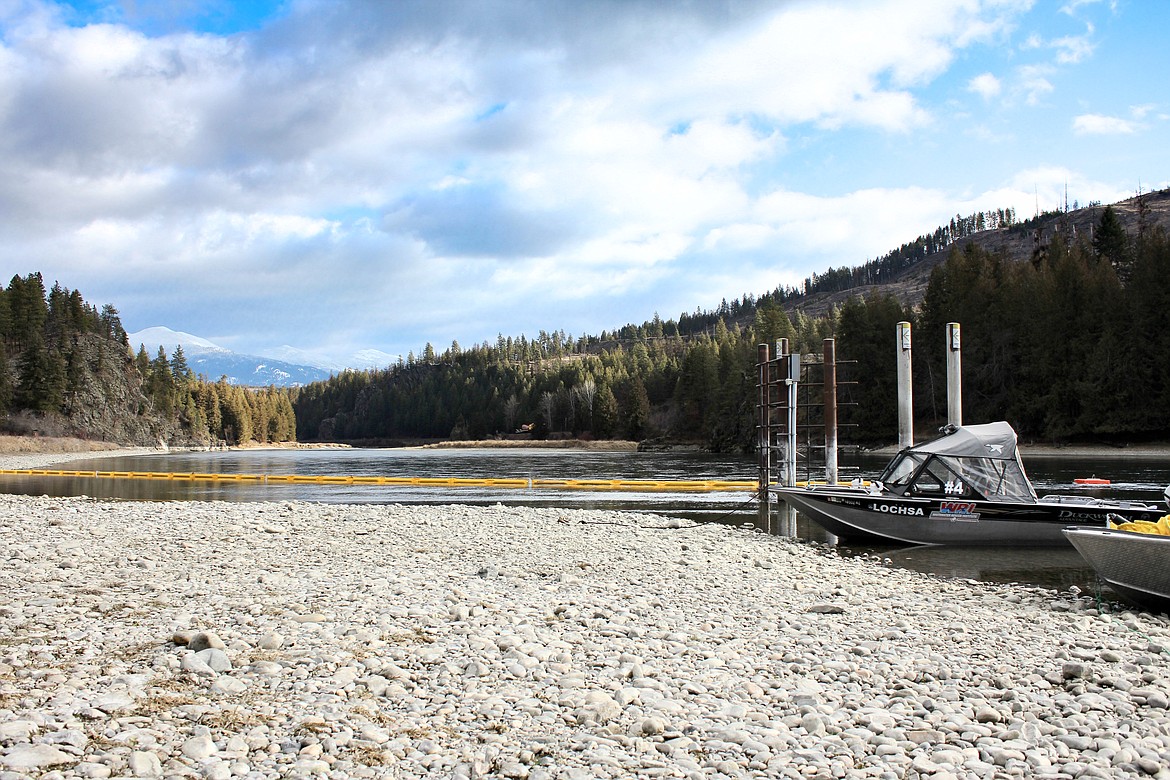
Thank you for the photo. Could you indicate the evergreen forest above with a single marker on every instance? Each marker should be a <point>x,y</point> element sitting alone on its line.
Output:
<point>1066,345</point>
<point>66,369</point>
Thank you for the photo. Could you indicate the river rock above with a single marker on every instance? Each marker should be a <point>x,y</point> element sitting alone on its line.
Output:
<point>25,757</point>
<point>395,660</point>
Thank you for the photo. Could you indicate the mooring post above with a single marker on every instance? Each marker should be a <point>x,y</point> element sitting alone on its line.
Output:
<point>764,429</point>
<point>954,376</point>
<point>792,381</point>
<point>830,404</point>
<point>779,372</point>
<point>905,389</point>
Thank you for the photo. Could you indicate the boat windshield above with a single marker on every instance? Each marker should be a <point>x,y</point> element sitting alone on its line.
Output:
<point>944,475</point>
<point>901,469</point>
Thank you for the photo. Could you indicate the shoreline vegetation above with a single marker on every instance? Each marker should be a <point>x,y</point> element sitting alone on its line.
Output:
<point>24,452</point>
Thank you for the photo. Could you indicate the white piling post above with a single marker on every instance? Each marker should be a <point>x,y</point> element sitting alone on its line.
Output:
<point>905,389</point>
<point>954,376</point>
<point>830,403</point>
<point>792,382</point>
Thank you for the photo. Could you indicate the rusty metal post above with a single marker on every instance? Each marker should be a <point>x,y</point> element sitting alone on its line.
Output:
<point>954,376</point>
<point>905,389</point>
<point>830,404</point>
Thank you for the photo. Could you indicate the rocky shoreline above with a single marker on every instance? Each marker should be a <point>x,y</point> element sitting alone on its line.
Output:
<point>265,640</point>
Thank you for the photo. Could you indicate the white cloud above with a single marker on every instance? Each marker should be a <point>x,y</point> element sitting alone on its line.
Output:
<point>1073,48</point>
<point>986,85</point>
<point>1033,82</point>
<point>406,169</point>
<point>1098,124</point>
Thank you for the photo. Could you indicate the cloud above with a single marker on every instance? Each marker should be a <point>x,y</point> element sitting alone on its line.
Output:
<point>1098,124</point>
<point>1034,82</point>
<point>985,85</point>
<point>1073,48</point>
<point>406,172</point>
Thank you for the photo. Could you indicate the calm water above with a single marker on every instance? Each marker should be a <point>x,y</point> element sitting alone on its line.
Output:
<point>1139,479</point>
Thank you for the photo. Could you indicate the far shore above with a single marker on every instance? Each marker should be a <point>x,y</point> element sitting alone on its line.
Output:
<point>32,452</point>
<point>599,445</point>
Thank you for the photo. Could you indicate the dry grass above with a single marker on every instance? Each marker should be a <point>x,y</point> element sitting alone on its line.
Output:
<point>36,445</point>
<point>368,755</point>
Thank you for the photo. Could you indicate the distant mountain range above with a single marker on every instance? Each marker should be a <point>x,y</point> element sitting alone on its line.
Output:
<point>286,367</point>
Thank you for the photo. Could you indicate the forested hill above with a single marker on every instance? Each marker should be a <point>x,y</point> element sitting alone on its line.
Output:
<point>66,369</point>
<point>904,272</point>
<point>1062,319</point>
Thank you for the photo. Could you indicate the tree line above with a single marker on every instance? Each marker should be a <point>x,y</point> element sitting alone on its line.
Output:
<point>1065,347</point>
<point>67,368</point>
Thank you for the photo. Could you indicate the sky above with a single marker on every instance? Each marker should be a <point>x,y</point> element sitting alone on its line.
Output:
<point>345,175</point>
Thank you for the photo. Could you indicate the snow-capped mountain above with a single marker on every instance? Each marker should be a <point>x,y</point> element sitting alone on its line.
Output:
<point>212,361</point>
<point>169,339</point>
<point>362,360</point>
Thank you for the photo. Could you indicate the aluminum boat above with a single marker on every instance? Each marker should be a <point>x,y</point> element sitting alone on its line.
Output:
<point>966,487</point>
<point>1135,565</point>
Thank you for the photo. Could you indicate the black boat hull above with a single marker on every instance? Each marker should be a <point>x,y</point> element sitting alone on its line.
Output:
<point>855,513</point>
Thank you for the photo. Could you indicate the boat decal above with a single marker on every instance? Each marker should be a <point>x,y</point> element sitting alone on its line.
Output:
<point>1068,514</point>
<point>956,512</point>
<point>897,509</point>
<point>841,500</point>
<point>956,517</point>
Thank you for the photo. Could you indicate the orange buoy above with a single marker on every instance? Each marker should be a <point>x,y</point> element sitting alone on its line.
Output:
<point>1090,481</point>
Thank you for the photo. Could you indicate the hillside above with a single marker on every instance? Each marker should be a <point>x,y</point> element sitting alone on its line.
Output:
<point>1020,242</point>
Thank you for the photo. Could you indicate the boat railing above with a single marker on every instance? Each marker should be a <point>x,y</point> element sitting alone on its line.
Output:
<point>1091,501</point>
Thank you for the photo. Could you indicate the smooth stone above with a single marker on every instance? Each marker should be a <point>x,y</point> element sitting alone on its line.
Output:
<point>215,659</point>
<point>23,757</point>
<point>200,747</point>
<point>272,641</point>
<point>17,730</point>
<point>206,640</point>
<point>195,665</point>
<point>113,702</point>
<point>143,763</point>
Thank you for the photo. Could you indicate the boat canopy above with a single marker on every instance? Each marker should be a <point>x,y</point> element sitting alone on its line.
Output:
<point>972,461</point>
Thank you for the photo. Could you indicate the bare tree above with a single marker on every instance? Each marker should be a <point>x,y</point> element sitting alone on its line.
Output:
<point>586,392</point>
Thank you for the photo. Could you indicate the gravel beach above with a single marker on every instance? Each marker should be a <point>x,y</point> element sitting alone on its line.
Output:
<point>267,640</point>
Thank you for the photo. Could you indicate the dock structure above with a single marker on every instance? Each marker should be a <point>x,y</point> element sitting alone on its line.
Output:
<point>797,411</point>
<point>797,420</point>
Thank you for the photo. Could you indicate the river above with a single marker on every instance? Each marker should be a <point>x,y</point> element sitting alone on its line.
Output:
<point>1134,478</point>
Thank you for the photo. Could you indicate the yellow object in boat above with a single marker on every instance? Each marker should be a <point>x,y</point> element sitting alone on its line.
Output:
<point>1141,527</point>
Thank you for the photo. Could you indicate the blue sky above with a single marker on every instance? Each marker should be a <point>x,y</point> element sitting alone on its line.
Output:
<point>339,176</point>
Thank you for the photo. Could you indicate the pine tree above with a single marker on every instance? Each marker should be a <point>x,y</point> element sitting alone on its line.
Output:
<point>605,412</point>
<point>1110,241</point>
<point>636,410</point>
<point>42,378</point>
<point>180,371</point>
<point>6,387</point>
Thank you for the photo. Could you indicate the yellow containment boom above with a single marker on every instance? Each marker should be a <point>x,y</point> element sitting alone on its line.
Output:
<point>513,483</point>
<point>626,485</point>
